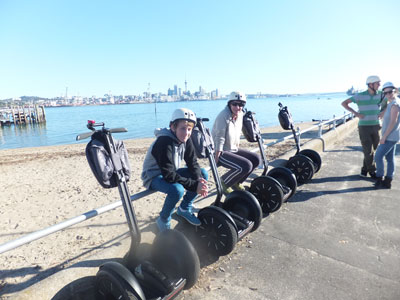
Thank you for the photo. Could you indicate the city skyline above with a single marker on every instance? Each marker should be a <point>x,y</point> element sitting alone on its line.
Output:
<point>176,89</point>
<point>286,47</point>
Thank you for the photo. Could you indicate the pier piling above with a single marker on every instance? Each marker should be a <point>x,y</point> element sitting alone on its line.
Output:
<point>18,115</point>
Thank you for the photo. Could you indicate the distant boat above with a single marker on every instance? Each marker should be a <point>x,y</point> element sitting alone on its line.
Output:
<point>351,91</point>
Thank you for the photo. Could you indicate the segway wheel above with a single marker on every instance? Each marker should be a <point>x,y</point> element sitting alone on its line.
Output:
<point>285,177</point>
<point>314,156</point>
<point>217,234</point>
<point>302,167</point>
<point>245,205</point>
<point>176,257</point>
<point>268,192</point>
<point>115,281</point>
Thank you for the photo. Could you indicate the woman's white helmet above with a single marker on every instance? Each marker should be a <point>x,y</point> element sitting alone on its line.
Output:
<point>388,85</point>
<point>372,79</point>
<point>183,114</point>
<point>237,96</point>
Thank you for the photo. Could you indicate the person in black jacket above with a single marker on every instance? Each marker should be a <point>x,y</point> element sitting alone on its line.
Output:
<point>163,170</point>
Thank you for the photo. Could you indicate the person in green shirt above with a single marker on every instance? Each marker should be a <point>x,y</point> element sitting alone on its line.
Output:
<point>369,112</point>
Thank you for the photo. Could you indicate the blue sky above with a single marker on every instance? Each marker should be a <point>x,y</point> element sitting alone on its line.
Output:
<point>96,47</point>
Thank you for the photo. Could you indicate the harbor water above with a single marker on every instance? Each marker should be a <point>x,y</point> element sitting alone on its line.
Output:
<point>63,124</point>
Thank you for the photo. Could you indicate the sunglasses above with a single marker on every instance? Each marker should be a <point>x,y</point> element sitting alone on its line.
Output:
<point>389,92</point>
<point>240,104</point>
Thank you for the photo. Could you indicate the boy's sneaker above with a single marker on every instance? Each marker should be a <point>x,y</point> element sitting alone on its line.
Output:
<point>188,216</point>
<point>364,173</point>
<point>162,225</point>
<point>238,187</point>
<point>226,190</point>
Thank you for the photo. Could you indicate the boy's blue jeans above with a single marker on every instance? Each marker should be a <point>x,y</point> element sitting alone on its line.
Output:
<point>175,192</point>
<point>386,150</point>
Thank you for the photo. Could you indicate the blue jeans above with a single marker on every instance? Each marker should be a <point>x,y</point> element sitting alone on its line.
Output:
<point>386,150</point>
<point>175,192</point>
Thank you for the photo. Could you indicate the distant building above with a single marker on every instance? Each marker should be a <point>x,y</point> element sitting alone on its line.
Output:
<point>201,92</point>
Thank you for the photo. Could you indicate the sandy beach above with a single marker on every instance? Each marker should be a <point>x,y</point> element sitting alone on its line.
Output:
<point>44,186</point>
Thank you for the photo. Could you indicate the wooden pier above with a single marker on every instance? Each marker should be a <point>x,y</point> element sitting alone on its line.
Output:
<point>18,115</point>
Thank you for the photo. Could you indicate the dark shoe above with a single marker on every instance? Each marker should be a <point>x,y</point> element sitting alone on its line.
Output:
<point>379,183</point>
<point>364,173</point>
<point>387,183</point>
<point>373,175</point>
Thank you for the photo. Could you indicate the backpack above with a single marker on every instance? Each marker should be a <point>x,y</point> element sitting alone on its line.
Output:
<point>101,164</point>
<point>285,117</point>
<point>250,129</point>
<point>201,141</point>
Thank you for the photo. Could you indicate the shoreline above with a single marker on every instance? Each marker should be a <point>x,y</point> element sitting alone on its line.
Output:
<point>264,131</point>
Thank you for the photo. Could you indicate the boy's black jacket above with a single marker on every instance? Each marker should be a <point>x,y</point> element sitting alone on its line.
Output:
<point>163,151</point>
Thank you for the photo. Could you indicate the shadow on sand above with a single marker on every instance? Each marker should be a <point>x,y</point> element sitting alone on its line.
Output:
<point>85,287</point>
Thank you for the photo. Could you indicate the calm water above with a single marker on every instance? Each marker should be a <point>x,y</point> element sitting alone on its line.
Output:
<point>65,123</point>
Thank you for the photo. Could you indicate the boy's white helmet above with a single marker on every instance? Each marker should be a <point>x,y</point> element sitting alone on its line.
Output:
<point>238,96</point>
<point>372,79</point>
<point>183,114</point>
<point>388,85</point>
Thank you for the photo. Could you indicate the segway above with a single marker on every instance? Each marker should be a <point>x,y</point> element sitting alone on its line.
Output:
<point>224,223</point>
<point>306,162</point>
<point>276,187</point>
<point>173,263</point>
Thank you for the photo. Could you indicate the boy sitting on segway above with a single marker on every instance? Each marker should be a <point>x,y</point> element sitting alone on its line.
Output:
<point>163,171</point>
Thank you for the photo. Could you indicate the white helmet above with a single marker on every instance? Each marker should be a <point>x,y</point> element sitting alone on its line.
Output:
<point>372,79</point>
<point>388,85</point>
<point>237,96</point>
<point>183,114</point>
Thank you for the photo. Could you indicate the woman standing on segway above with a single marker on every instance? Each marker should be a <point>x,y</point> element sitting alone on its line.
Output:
<point>226,134</point>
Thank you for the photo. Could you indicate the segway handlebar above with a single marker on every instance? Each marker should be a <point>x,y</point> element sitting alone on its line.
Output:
<point>92,124</point>
<point>203,120</point>
<point>83,136</point>
<point>117,130</point>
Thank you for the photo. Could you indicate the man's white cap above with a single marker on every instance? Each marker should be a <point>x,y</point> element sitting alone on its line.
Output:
<point>372,79</point>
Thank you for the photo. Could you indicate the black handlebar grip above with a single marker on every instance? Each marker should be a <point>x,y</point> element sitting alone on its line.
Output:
<point>203,119</point>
